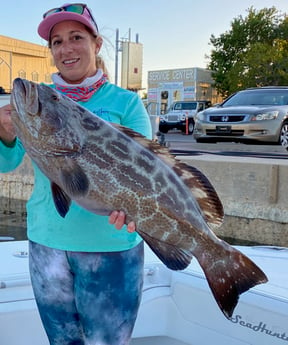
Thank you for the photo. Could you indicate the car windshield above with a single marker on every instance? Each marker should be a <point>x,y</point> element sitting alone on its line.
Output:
<point>258,97</point>
<point>185,106</point>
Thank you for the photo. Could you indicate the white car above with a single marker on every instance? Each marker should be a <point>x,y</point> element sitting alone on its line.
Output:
<point>4,99</point>
<point>180,115</point>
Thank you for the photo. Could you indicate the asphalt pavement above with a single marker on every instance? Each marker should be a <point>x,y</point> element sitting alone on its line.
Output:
<point>182,144</point>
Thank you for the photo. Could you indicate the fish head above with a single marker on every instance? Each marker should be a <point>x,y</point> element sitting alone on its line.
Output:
<point>42,118</point>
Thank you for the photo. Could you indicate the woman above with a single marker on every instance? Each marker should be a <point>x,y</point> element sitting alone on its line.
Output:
<point>86,276</point>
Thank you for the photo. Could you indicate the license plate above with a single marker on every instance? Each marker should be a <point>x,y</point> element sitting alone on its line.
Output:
<point>223,129</point>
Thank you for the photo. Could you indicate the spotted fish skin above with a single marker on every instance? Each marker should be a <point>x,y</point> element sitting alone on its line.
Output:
<point>105,167</point>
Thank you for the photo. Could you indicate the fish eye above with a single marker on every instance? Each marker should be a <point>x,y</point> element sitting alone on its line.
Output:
<point>55,98</point>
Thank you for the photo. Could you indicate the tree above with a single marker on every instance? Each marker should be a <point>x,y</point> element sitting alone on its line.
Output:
<point>254,52</point>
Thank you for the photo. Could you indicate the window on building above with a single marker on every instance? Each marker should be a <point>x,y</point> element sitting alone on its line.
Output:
<point>35,76</point>
<point>22,74</point>
<point>164,95</point>
<point>48,78</point>
<point>176,95</point>
<point>164,100</point>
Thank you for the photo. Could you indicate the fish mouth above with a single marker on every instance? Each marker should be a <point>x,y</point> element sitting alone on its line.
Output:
<point>18,92</point>
<point>25,97</point>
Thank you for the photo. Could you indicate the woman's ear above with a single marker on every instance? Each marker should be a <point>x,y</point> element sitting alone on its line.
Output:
<point>99,41</point>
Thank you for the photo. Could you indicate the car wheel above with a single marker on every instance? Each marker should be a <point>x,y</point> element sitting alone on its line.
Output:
<point>190,128</point>
<point>283,140</point>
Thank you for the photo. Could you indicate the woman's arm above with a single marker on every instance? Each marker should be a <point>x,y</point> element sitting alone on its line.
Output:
<point>11,150</point>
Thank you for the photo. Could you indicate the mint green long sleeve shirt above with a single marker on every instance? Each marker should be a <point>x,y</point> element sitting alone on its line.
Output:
<point>80,230</point>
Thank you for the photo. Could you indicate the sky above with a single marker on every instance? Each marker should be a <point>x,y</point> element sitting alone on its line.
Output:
<point>174,34</point>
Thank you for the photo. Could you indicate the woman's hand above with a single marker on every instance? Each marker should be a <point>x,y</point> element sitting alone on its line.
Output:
<point>118,219</point>
<point>7,132</point>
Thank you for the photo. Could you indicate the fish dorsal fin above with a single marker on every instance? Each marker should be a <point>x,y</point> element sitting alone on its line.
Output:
<point>129,132</point>
<point>195,180</point>
<point>203,191</point>
<point>61,200</point>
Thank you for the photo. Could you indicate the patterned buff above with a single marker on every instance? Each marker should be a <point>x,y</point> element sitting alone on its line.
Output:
<point>81,93</point>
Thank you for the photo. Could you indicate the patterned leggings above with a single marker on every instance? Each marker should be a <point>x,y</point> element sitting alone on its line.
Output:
<point>87,298</point>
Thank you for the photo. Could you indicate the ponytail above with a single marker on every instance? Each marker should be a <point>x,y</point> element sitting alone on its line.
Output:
<point>101,64</point>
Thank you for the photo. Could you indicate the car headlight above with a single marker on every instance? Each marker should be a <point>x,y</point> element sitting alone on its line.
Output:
<point>199,116</point>
<point>182,117</point>
<point>270,115</point>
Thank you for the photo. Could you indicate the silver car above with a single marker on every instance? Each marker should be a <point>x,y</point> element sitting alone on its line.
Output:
<point>259,114</point>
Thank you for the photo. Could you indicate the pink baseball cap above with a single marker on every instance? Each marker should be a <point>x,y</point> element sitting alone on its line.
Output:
<point>78,12</point>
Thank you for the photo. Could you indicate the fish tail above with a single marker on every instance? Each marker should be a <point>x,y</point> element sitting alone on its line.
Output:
<point>229,273</point>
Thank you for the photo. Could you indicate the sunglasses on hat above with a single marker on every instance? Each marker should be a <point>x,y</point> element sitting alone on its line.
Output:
<point>73,8</point>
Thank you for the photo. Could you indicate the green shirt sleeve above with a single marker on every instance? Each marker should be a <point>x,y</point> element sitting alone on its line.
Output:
<point>10,156</point>
<point>137,118</point>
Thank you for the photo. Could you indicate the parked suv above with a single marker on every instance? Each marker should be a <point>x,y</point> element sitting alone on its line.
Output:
<point>256,114</point>
<point>181,115</point>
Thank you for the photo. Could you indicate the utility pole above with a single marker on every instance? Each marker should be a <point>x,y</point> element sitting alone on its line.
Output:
<point>117,50</point>
<point>116,56</point>
<point>130,56</point>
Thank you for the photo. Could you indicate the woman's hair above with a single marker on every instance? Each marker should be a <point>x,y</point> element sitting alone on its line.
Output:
<point>100,63</point>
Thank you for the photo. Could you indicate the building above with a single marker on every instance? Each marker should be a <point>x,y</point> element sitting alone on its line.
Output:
<point>25,60</point>
<point>167,86</point>
<point>132,61</point>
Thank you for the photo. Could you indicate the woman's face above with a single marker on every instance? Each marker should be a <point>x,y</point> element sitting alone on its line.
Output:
<point>74,51</point>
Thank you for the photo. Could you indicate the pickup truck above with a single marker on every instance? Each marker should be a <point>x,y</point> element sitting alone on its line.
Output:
<point>181,115</point>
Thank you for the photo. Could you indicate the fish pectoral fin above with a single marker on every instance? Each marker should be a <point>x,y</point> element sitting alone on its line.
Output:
<point>61,200</point>
<point>75,181</point>
<point>173,257</point>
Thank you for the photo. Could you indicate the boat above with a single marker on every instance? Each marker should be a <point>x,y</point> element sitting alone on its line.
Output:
<point>177,307</point>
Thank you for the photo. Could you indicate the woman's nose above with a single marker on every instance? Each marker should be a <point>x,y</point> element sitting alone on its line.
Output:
<point>66,47</point>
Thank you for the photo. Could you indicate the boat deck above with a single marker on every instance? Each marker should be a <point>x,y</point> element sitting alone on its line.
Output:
<point>177,306</point>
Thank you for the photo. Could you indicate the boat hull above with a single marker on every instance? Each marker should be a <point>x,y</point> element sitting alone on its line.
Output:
<point>177,308</point>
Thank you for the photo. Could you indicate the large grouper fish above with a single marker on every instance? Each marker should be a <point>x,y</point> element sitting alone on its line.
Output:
<point>105,167</point>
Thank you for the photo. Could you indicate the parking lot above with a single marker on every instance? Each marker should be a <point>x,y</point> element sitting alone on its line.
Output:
<point>177,141</point>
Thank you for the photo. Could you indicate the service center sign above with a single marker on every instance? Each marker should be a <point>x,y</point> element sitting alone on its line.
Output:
<point>183,74</point>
